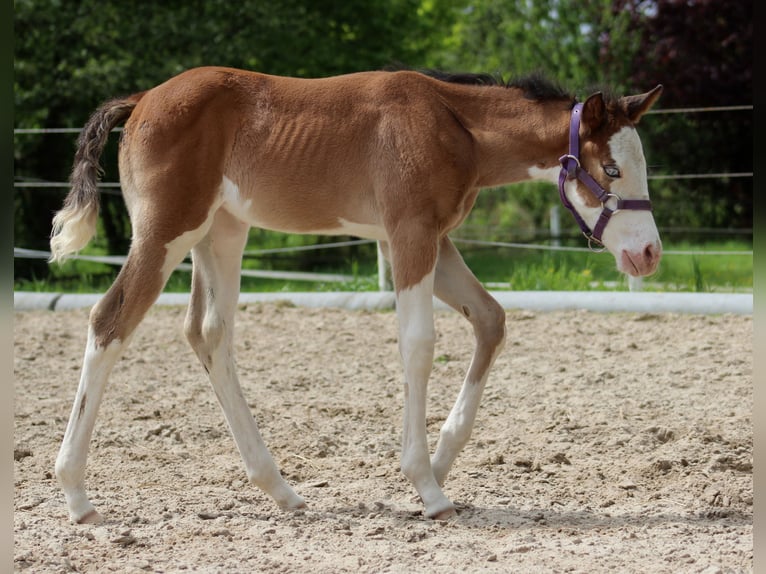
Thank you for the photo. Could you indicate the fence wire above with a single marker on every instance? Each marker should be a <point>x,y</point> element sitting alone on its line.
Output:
<point>114,188</point>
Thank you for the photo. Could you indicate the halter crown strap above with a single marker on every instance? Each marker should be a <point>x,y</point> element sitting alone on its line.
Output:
<point>572,169</point>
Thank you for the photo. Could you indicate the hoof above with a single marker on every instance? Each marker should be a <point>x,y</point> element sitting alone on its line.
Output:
<point>92,517</point>
<point>295,503</point>
<point>444,513</point>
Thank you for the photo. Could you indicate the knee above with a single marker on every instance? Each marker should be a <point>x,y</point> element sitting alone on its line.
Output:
<point>455,433</point>
<point>490,325</point>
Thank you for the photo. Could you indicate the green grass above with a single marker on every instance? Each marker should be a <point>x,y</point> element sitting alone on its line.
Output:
<point>501,268</point>
<point>548,270</point>
<point>705,273</point>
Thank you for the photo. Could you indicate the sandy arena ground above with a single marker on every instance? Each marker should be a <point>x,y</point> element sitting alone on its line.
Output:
<point>606,443</point>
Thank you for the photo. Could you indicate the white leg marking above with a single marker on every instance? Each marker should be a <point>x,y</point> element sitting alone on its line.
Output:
<point>71,460</point>
<point>178,248</point>
<point>217,266</point>
<point>416,344</point>
<point>457,428</point>
<point>259,464</point>
<point>456,285</point>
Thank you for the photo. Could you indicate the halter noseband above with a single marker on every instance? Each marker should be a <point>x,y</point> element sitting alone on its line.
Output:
<point>571,169</point>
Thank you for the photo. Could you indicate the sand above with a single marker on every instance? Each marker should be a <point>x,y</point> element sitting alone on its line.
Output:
<point>605,443</point>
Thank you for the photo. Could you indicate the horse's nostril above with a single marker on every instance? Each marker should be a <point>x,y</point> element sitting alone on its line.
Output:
<point>652,253</point>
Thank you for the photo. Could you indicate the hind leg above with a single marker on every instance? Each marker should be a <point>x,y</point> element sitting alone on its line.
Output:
<point>112,322</point>
<point>209,328</point>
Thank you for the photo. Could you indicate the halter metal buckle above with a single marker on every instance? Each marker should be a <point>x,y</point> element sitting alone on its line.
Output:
<point>593,241</point>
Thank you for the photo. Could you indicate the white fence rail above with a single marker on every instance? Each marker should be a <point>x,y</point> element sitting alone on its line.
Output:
<point>598,301</point>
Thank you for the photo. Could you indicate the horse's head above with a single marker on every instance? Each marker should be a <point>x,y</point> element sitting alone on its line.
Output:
<point>603,180</point>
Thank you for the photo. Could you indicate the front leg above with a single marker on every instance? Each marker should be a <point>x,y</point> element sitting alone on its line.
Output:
<point>456,285</point>
<point>416,344</point>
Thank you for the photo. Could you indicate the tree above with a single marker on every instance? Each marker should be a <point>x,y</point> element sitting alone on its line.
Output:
<point>700,50</point>
<point>583,45</point>
<point>710,67</point>
<point>71,56</point>
<point>562,38</point>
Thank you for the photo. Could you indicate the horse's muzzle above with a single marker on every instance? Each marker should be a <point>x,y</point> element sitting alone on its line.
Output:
<point>642,262</point>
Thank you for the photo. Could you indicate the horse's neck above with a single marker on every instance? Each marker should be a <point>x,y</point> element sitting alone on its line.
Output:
<point>512,134</point>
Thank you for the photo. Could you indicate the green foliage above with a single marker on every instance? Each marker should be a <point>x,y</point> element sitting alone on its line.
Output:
<point>726,273</point>
<point>552,271</point>
<point>631,47</point>
<point>70,56</point>
<point>578,43</point>
<point>711,67</point>
<point>81,53</point>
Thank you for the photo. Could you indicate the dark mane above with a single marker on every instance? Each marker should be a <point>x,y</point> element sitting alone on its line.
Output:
<point>540,88</point>
<point>466,78</point>
<point>534,86</point>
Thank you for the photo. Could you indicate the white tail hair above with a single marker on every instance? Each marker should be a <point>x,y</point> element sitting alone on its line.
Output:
<point>75,224</point>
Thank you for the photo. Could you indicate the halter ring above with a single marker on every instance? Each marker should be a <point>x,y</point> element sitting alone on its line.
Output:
<point>563,158</point>
<point>609,196</point>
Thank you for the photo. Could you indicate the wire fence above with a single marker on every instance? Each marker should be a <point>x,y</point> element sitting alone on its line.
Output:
<point>703,109</point>
<point>550,243</point>
<point>106,186</point>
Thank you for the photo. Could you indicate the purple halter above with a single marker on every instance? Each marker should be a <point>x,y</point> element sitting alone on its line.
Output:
<point>571,169</point>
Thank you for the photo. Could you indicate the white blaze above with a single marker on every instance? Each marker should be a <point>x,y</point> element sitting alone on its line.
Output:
<point>629,230</point>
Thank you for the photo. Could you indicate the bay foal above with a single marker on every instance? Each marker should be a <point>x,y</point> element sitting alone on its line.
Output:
<point>394,156</point>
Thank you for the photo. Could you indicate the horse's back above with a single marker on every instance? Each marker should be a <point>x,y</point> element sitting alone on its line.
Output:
<point>301,153</point>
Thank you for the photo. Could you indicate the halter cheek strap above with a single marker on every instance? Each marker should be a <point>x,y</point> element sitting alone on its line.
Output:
<point>571,169</point>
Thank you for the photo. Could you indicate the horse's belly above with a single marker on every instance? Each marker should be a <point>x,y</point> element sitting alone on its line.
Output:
<point>302,211</point>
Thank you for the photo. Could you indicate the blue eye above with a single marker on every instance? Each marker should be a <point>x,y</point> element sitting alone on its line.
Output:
<point>612,171</point>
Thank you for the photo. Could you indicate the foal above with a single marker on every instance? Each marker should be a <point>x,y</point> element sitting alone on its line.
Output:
<point>394,156</point>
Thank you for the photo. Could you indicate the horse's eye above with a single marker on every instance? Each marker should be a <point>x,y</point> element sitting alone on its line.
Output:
<point>612,171</point>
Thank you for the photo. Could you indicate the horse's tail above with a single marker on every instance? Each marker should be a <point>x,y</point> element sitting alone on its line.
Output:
<point>75,224</point>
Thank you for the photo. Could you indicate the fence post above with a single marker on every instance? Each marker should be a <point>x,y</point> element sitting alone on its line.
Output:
<point>384,284</point>
<point>555,223</point>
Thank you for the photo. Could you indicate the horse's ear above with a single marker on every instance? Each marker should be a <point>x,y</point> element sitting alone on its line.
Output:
<point>637,106</point>
<point>593,113</point>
